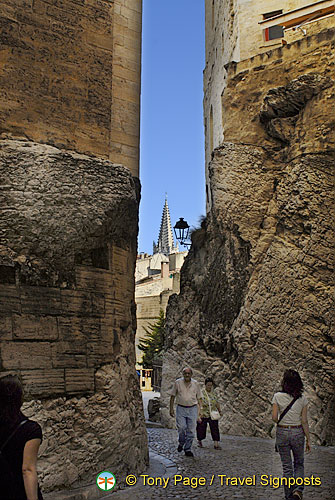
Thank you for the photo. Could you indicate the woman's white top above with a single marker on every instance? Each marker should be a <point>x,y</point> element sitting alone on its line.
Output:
<point>293,416</point>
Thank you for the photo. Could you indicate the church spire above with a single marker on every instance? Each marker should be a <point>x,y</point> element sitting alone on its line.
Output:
<point>165,243</point>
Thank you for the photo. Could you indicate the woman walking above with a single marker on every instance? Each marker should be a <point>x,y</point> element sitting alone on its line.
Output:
<point>289,411</point>
<point>210,406</point>
<point>20,439</point>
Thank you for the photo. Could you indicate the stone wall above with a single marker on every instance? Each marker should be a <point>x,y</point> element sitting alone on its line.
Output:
<point>233,33</point>
<point>258,75</point>
<point>67,261</point>
<point>70,75</point>
<point>257,287</point>
<point>221,33</point>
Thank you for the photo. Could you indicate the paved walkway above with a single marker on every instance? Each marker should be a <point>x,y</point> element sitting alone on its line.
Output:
<point>240,457</point>
<point>171,475</point>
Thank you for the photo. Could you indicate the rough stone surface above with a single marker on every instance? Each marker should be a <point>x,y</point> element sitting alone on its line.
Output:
<point>88,434</point>
<point>233,34</point>
<point>293,78</point>
<point>68,247</point>
<point>60,209</point>
<point>257,287</point>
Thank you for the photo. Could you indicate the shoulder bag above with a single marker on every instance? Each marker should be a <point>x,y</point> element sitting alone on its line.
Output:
<point>282,415</point>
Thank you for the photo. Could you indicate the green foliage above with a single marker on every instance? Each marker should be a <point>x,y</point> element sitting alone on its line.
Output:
<point>153,344</point>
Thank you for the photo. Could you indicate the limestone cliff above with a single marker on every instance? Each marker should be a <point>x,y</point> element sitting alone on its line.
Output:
<point>257,287</point>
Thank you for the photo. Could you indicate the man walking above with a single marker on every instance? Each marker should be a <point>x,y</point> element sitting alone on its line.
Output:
<point>187,393</point>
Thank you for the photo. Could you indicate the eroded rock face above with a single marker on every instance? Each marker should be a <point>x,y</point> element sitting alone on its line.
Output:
<point>60,208</point>
<point>84,435</point>
<point>257,287</point>
<point>67,261</point>
<point>289,100</point>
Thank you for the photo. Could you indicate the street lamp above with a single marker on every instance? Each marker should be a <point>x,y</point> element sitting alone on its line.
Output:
<point>181,231</point>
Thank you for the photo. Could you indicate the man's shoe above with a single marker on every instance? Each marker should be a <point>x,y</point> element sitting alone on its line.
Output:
<point>180,448</point>
<point>188,453</point>
<point>297,495</point>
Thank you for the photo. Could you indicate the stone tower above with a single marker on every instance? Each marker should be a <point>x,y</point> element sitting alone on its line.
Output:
<point>165,244</point>
<point>69,124</point>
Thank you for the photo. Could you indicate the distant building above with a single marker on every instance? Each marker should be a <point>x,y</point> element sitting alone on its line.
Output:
<point>157,277</point>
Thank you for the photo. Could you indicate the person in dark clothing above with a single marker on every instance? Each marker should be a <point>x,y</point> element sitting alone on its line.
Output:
<point>18,474</point>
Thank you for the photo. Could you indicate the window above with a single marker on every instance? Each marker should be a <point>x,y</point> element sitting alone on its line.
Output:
<point>274,13</point>
<point>275,31</point>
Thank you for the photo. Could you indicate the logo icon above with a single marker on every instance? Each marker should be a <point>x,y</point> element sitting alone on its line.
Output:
<point>105,480</point>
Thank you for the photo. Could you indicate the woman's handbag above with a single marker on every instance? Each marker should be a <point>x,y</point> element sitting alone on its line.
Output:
<point>282,415</point>
<point>215,415</point>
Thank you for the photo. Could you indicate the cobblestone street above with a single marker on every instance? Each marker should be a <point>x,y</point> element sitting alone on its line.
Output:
<point>240,457</point>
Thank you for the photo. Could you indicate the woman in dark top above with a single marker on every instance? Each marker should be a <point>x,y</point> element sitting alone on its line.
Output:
<point>18,474</point>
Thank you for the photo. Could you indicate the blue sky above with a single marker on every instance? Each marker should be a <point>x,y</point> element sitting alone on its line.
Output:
<point>172,137</point>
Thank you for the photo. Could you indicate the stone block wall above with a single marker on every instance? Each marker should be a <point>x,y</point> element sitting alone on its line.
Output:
<point>67,259</point>
<point>70,75</point>
<point>69,192</point>
<point>257,288</point>
<point>233,34</point>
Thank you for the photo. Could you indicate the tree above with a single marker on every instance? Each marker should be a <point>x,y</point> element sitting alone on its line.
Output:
<point>153,343</point>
